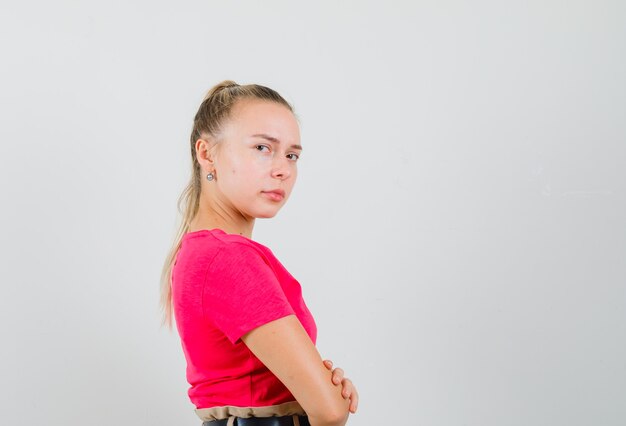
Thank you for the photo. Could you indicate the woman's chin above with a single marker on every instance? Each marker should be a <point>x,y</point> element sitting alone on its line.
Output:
<point>267,212</point>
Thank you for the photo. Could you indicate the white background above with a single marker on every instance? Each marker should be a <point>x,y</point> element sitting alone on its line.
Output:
<point>458,225</point>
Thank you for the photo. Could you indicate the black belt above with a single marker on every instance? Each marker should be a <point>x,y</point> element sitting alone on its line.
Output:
<point>260,421</point>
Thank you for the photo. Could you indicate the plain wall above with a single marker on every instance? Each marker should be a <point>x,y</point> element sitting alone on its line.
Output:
<point>458,225</point>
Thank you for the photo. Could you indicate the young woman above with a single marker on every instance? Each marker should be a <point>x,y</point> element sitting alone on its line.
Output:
<point>247,334</point>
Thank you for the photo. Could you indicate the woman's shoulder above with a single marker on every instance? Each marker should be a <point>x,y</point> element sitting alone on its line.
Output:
<point>219,253</point>
<point>217,240</point>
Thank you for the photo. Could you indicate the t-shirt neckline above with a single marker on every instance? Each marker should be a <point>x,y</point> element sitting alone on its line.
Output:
<point>210,231</point>
<point>200,231</point>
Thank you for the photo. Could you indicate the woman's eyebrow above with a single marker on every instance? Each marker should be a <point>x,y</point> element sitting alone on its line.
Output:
<point>273,139</point>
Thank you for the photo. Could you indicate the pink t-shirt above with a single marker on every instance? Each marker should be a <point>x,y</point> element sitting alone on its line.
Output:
<point>224,285</point>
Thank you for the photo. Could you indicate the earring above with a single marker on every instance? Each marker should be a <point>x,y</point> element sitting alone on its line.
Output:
<point>210,176</point>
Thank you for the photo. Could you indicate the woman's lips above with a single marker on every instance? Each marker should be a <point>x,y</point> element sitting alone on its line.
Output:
<point>273,196</point>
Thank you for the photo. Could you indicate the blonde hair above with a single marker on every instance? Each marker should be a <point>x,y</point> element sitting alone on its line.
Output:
<point>213,112</point>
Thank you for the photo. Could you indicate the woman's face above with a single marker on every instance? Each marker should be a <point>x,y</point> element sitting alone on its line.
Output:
<point>258,152</point>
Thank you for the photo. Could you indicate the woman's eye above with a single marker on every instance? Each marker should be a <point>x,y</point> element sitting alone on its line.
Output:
<point>296,155</point>
<point>265,146</point>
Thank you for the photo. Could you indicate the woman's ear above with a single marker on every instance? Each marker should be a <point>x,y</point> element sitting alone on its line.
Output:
<point>206,152</point>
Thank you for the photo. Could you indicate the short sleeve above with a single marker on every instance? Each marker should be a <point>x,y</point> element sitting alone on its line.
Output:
<point>241,291</point>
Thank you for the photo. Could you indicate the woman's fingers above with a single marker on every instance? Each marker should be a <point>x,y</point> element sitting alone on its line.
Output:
<point>348,388</point>
<point>337,375</point>
<point>350,391</point>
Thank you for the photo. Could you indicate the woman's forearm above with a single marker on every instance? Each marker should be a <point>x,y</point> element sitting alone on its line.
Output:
<point>288,352</point>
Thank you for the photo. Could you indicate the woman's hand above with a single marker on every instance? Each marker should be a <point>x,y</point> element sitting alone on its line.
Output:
<point>348,391</point>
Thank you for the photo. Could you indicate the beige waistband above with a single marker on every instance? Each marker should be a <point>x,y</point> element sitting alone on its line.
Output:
<point>230,411</point>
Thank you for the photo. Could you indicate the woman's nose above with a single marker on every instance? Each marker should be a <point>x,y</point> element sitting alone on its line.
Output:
<point>281,168</point>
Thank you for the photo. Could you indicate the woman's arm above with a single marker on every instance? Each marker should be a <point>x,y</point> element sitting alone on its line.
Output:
<point>286,349</point>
